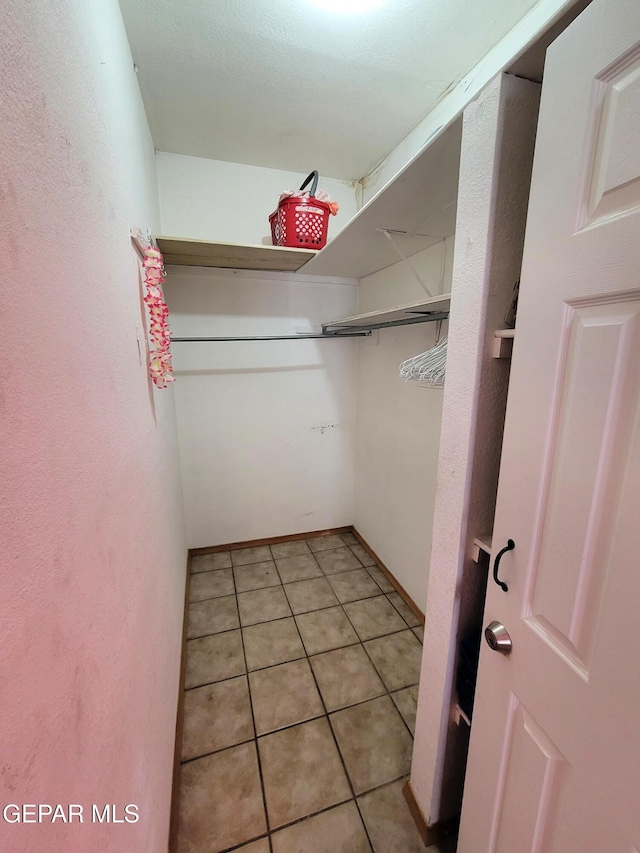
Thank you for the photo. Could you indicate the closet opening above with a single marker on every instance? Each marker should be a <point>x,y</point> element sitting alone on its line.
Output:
<point>309,470</point>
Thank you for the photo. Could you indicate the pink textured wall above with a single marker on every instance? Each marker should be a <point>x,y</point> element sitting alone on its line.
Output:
<point>92,552</point>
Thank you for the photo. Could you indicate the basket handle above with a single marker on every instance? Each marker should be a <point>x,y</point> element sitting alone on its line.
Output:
<point>314,186</point>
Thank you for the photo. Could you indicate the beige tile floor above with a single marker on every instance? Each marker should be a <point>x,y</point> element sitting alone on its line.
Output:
<point>300,703</point>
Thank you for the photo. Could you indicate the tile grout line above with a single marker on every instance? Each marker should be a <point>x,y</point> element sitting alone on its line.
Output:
<point>253,740</point>
<point>326,809</point>
<point>362,643</point>
<point>253,722</point>
<point>238,847</point>
<point>385,692</point>
<point>330,727</point>
<point>384,685</point>
<point>358,642</point>
<point>286,728</point>
<point>309,553</point>
<point>323,574</point>
<point>333,735</point>
<point>323,810</point>
<point>304,613</point>
<point>306,656</point>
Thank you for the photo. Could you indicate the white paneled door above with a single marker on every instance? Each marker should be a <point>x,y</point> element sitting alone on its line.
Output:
<point>554,761</point>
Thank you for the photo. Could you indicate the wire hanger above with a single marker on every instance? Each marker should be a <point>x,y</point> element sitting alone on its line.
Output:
<point>428,368</point>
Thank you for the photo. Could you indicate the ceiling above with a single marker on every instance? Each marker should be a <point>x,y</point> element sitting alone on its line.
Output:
<point>287,85</point>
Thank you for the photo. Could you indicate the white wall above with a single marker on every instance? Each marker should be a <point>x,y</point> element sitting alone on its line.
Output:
<point>231,202</point>
<point>266,428</point>
<point>93,562</point>
<point>398,425</point>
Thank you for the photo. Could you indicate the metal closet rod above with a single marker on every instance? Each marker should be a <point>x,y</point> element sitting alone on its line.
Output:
<point>343,332</point>
<point>301,337</point>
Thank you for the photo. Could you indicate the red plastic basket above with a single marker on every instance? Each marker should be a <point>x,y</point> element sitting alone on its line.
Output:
<point>301,222</point>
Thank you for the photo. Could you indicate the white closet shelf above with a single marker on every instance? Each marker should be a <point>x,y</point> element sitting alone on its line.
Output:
<point>200,253</point>
<point>436,304</point>
<point>481,543</point>
<point>503,343</point>
<point>417,207</point>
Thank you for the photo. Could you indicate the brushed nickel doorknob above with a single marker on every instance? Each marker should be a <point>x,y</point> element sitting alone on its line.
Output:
<point>498,638</point>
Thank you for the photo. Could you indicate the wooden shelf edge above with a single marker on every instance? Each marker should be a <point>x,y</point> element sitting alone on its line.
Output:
<point>186,251</point>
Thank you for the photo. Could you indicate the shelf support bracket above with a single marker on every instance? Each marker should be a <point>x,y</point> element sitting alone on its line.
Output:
<point>403,257</point>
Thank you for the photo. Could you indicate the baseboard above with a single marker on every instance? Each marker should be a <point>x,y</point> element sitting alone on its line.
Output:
<point>404,595</point>
<point>430,834</point>
<point>271,540</point>
<point>177,750</point>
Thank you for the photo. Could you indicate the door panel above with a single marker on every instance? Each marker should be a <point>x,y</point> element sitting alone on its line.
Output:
<point>585,460</point>
<point>615,177</point>
<point>530,761</point>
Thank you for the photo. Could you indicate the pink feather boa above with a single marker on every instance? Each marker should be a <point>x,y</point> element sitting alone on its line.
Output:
<point>160,356</point>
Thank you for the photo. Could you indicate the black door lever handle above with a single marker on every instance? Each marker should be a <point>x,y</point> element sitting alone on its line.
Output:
<point>508,547</point>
